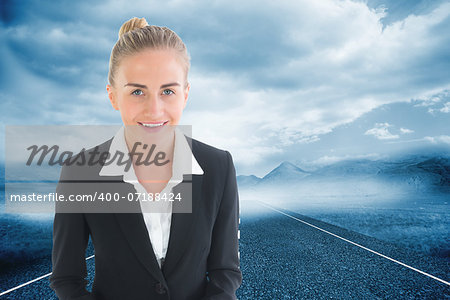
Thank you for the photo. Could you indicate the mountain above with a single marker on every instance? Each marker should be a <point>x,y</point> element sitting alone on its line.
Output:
<point>439,166</point>
<point>420,173</point>
<point>350,168</point>
<point>417,173</point>
<point>244,180</point>
<point>286,171</point>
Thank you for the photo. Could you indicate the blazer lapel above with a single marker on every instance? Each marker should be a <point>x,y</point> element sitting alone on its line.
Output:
<point>182,224</point>
<point>135,230</point>
<point>133,226</point>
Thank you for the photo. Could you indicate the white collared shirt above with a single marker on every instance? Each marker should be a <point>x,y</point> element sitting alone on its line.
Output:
<point>158,224</point>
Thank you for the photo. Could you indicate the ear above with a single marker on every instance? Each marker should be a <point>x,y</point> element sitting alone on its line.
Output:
<point>112,96</point>
<point>186,94</point>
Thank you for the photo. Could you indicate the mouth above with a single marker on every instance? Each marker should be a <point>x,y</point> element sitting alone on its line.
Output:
<point>153,124</point>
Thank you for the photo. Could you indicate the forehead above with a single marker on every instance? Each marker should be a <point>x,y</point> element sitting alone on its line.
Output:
<point>151,66</point>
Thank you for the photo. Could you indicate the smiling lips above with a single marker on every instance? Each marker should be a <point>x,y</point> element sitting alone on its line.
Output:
<point>153,124</point>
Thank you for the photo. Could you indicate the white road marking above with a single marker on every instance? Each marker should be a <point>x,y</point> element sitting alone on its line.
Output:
<point>353,243</point>
<point>297,219</point>
<point>31,281</point>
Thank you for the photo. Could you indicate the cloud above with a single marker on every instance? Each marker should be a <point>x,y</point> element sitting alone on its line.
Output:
<point>406,131</point>
<point>441,139</point>
<point>327,160</point>
<point>264,77</point>
<point>335,64</point>
<point>446,108</point>
<point>434,102</point>
<point>381,132</point>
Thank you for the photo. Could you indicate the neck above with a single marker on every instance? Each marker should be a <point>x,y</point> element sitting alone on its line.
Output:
<point>153,150</point>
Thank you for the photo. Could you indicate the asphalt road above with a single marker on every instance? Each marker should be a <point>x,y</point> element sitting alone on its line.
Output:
<point>283,258</point>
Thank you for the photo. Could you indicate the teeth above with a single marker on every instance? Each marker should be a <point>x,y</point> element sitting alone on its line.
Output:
<point>152,125</point>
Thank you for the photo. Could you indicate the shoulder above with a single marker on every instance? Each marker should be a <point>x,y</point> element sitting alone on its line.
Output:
<point>86,164</point>
<point>210,157</point>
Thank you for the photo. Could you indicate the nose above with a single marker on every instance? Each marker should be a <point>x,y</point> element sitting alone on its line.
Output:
<point>154,107</point>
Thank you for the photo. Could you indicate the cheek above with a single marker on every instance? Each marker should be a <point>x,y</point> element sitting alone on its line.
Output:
<point>128,110</point>
<point>177,108</point>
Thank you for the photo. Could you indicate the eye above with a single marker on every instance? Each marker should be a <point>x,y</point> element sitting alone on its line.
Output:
<point>137,92</point>
<point>167,92</point>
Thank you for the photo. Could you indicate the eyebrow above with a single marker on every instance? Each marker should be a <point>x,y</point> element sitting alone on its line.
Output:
<point>143,86</point>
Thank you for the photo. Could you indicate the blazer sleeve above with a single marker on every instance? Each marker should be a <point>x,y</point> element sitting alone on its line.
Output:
<point>70,239</point>
<point>224,274</point>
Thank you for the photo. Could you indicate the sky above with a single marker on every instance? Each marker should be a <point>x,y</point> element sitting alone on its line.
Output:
<point>311,82</point>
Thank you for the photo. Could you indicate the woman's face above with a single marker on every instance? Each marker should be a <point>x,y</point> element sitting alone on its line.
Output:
<point>150,89</point>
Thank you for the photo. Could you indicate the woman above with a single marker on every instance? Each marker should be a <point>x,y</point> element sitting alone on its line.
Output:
<point>183,250</point>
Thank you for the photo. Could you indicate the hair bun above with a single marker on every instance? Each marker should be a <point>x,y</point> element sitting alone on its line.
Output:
<point>132,24</point>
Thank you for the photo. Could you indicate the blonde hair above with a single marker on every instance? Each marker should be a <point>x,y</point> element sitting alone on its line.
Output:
<point>136,35</point>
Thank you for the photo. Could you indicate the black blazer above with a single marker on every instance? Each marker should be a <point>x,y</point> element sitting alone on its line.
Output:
<point>202,260</point>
